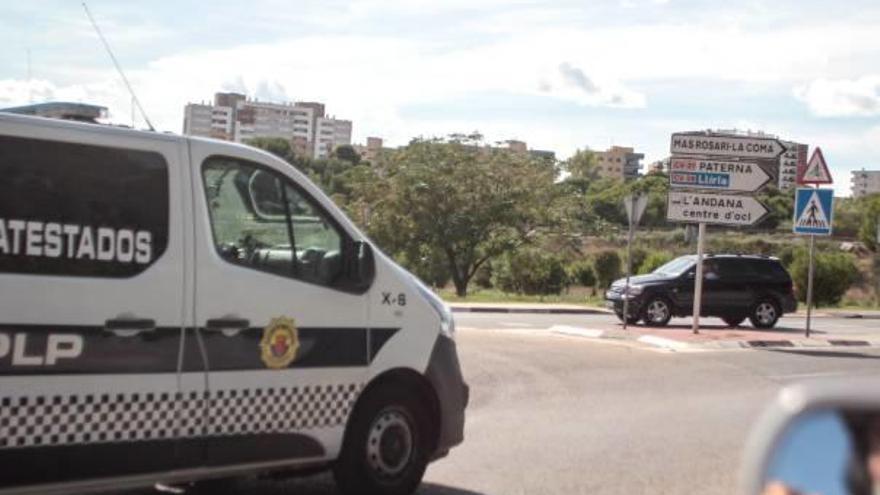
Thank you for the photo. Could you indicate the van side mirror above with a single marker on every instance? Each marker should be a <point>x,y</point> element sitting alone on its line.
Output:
<point>822,437</point>
<point>363,265</point>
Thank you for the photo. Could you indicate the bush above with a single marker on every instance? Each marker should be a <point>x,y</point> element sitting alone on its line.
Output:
<point>430,266</point>
<point>483,277</point>
<point>607,267</point>
<point>638,257</point>
<point>654,261</point>
<point>531,271</point>
<point>582,273</point>
<point>834,274</point>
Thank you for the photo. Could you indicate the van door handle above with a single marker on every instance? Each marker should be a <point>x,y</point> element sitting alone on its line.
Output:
<point>227,323</point>
<point>128,326</point>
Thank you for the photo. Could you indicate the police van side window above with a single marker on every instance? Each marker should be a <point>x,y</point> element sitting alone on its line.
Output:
<point>70,209</point>
<point>261,221</point>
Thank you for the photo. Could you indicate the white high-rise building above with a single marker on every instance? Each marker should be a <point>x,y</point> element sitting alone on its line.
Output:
<point>865,182</point>
<point>235,118</point>
<point>330,133</point>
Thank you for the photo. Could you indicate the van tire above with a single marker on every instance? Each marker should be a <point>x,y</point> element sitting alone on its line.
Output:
<point>394,420</point>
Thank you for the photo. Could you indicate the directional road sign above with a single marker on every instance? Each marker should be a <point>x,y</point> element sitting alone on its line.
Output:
<point>817,170</point>
<point>706,173</point>
<point>713,208</point>
<point>635,207</point>
<point>813,211</point>
<point>727,146</point>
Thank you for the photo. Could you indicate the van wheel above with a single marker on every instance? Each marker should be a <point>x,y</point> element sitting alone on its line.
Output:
<point>385,451</point>
<point>765,314</point>
<point>733,321</point>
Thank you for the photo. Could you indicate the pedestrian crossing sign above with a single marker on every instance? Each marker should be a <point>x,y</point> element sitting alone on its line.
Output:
<point>813,211</point>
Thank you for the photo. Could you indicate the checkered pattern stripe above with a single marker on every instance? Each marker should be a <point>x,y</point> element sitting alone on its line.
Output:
<point>33,421</point>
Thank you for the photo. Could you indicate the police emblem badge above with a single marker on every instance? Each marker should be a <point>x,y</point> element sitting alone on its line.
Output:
<point>279,343</point>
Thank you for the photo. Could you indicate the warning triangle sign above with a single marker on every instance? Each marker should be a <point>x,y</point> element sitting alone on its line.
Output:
<point>813,216</point>
<point>816,171</point>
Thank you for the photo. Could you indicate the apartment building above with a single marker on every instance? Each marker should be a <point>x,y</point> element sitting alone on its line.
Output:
<point>618,162</point>
<point>865,182</point>
<point>234,117</point>
<point>330,133</point>
<point>370,151</point>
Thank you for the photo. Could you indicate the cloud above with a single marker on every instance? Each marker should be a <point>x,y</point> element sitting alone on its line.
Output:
<point>842,97</point>
<point>572,83</point>
<point>576,77</point>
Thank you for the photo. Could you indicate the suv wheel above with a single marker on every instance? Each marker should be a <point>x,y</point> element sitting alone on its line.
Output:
<point>765,314</point>
<point>657,312</point>
<point>385,451</point>
<point>733,321</point>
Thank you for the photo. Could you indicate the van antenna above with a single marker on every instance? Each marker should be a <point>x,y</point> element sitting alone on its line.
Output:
<point>118,68</point>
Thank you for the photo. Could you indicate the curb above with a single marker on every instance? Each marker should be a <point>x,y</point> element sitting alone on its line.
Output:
<point>551,311</point>
<point>858,316</point>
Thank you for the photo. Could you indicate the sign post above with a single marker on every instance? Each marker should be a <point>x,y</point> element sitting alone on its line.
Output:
<point>698,279</point>
<point>708,176</point>
<point>635,207</point>
<point>813,215</point>
<point>810,272</point>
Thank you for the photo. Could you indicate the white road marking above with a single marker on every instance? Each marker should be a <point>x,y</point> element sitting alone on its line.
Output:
<point>577,331</point>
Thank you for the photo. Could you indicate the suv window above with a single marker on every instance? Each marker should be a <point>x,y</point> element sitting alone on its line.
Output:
<point>80,210</point>
<point>773,270</point>
<point>260,220</point>
<point>734,268</point>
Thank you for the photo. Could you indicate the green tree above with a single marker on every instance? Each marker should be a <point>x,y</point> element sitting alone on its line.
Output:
<point>654,260</point>
<point>869,221</point>
<point>607,266</point>
<point>277,146</point>
<point>582,273</point>
<point>834,274</point>
<point>347,153</point>
<point>582,166</point>
<point>531,271</point>
<point>471,202</point>
<point>780,205</point>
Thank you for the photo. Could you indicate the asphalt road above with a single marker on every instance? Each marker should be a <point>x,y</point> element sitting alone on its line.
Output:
<point>552,414</point>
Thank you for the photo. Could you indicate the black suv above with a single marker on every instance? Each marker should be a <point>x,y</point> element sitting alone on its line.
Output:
<point>735,287</point>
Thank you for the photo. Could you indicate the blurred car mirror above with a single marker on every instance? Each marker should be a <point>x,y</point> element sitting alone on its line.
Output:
<point>818,438</point>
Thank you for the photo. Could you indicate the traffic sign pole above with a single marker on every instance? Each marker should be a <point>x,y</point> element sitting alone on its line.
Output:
<point>635,207</point>
<point>698,279</point>
<point>810,283</point>
<point>629,241</point>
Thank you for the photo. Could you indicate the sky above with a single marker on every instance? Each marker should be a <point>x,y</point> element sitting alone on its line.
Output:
<point>561,75</point>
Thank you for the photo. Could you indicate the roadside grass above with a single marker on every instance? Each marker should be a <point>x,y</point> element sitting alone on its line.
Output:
<point>577,295</point>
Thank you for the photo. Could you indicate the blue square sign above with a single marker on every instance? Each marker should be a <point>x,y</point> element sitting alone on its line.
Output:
<point>813,211</point>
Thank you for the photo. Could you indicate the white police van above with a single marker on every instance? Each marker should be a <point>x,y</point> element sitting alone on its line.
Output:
<point>175,309</point>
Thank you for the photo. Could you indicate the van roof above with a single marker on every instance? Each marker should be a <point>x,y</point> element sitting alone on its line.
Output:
<point>112,130</point>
